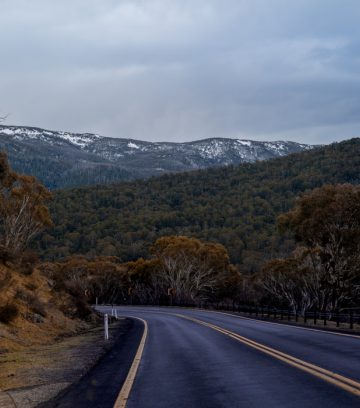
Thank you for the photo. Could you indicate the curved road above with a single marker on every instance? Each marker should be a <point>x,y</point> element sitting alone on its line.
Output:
<point>195,358</point>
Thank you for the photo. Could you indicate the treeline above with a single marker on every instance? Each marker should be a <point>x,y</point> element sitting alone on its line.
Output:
<point>236,206</point>
<point>180,270</point>
<point>60,172</point>
<point>323,272</point>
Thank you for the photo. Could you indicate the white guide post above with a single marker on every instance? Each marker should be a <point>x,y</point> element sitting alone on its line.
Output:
<point>116,314</point>
<point>106,326</point>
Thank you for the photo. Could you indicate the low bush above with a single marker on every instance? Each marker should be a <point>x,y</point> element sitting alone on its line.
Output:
<point>31,286</point>
<point>23,295</point>
<point>6,256</point>
<point>83,310</point>
<point>8,313</point>
<point>32,302</point>
<point>5,281</point>
<point>28,262</point>
<point>37,307</point>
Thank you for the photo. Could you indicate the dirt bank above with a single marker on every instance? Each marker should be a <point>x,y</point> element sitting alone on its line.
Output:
<point>31,376</point>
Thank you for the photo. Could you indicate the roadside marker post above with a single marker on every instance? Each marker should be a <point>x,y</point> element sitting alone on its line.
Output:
<point>116,316</point>
<point>106,326</point>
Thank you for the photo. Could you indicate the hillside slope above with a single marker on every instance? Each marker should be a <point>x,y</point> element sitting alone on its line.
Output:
<point>62,159</point>
<point>31,312</point>
<point>235,205</point>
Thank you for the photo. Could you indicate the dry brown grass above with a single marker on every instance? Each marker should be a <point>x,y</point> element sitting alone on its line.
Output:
<point>42,316</point>
<point>26,367</point>
<point>37,352</point>
<point>36,374</point>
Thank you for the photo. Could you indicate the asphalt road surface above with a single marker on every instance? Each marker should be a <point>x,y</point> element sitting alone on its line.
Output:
<point>202,359</point>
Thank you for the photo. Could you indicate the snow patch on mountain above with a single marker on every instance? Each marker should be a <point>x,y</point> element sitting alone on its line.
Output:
<point>133,145</point>
<point>80,140</point>
<point>24,133</point>
<point>244,142</point>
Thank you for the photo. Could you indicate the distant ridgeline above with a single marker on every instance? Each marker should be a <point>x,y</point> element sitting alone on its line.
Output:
<point>235,205</point>
<point>62,159</point>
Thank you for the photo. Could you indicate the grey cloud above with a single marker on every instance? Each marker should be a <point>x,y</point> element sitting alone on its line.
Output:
<point>183,70</point>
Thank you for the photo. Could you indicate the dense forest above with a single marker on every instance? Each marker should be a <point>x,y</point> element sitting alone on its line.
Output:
<point>61,166</point>
<point>236,206</point>
<point>321,274</point>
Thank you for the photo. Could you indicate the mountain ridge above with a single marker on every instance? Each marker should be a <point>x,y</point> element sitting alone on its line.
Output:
<point>87,158</point>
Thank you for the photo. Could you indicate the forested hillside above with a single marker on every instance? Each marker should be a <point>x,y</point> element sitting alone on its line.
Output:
<point>236,206</point>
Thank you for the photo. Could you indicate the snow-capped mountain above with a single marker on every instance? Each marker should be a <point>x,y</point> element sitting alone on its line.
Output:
<point>62,159</point>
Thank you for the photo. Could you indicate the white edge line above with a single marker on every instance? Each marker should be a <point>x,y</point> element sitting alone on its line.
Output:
<point>123,396</point>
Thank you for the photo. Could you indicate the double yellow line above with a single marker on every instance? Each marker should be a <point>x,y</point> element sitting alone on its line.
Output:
<point>338,380</point>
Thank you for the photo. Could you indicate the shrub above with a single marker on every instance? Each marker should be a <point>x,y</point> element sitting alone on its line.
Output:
<point>5,255</point>
<point>5,281</point>
<point>32,302</point>
<point>8,313</point>
<point>28,262</point>
<point>31,286</point>
<point>22,295</point>
<point>83,310</point>
<point>37,307</point>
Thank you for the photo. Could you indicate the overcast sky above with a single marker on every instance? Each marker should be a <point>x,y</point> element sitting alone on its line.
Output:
<point>179,70</point>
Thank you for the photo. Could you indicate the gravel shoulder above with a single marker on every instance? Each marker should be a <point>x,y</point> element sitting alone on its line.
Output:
<point>38,374</point>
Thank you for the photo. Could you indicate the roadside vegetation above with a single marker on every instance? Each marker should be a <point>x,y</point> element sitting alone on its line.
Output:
<point>31,312</point>
<point>181,270</point>
<point>323,272</point>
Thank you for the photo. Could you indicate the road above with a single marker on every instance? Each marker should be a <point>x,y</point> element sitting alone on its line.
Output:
<point>186,358</point>
<point>195,358</point>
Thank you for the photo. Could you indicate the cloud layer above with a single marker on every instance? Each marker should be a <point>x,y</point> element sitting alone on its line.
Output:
<point>183,70</point>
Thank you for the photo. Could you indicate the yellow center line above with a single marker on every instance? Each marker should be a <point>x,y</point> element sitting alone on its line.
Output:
<point>123,397</point>
<point>345,383</point>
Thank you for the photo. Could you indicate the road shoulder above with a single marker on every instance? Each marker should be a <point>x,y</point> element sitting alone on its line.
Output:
<point>39,374</point>
<point>100,386</point>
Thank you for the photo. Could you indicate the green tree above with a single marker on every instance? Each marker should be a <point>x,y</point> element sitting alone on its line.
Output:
<point>326,222</point>
<point>23,209</point>
<point>191,269</point>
